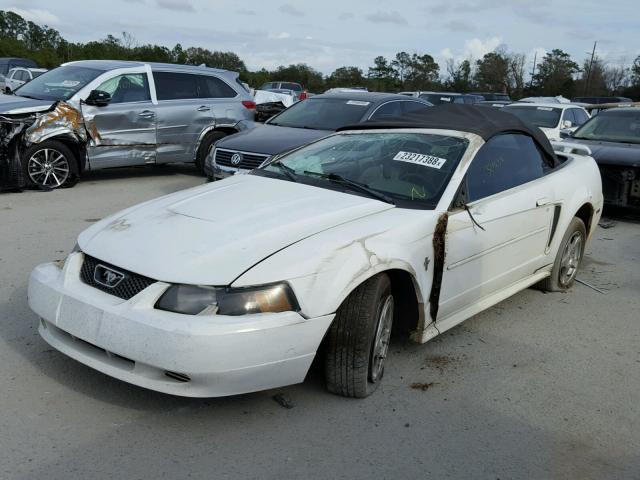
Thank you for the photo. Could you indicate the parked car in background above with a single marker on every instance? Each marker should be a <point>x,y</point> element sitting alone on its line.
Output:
<point>492,96</point>
<point>232,287</point>
<point>302,123</point>
<point>7,63</point>
<point>494,104</point>
<point>272,102</point>
<point>440,98</point>
<point>347,90</point>
<point>613,136</point>
<point>96,114</point>
<point>551,118</point>
<point>597,100</point>
<point>296,87</point>
<point>18,76</point>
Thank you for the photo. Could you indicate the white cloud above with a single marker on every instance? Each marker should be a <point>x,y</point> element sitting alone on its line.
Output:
<point>177,5</point>
<point>291,10</point>
<point>280,36</point>
<point>387,17</point>
<point>477,48</point>
<point>36,15</point>
<point>446,53</point>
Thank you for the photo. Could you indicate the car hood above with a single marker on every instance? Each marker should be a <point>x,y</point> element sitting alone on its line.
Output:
<point>612,153</point>
<point>210,235</point>
<point>270,139</point>
<point>9,103</point>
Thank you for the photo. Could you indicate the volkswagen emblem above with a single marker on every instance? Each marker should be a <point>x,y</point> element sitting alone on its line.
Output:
<point>107,277</point>
<point>236,158</point>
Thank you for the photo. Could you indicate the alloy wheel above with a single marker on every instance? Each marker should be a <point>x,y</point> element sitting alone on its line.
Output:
<point>571,259</point>
<point>380,345</point>
<point>48,168</point>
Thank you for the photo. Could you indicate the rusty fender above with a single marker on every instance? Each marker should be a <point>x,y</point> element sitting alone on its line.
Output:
<point>62,120</point>
<point>439,252</point>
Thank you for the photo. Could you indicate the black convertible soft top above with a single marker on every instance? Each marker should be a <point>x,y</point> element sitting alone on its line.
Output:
<point>485,122</point>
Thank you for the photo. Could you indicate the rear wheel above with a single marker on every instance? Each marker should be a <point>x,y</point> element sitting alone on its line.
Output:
<point>206,145</point>
<point>50,164</point>
<point>358,340</point>
<point>568,258</point>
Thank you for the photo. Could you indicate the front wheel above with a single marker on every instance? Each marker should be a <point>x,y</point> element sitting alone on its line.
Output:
<point>50,164</point>
<point>568,258</point>
<point>358,339</point>
<point>206,145</point>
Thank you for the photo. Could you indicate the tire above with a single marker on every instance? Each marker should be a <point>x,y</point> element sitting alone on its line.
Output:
<point>205,147</point>
<point>7,90</point>
<point>61,165</point>
<point>568,259</point>
<point>358,339</point>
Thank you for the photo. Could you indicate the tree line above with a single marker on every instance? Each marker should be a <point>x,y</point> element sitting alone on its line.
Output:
<point>498,71</point>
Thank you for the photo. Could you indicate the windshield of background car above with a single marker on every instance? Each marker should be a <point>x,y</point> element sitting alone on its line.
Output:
<point>612,127</point>
<point>545,117</point>
<point>439,99</point>
<point>413,169</point>
<point>60,83</point>
<point>322,113</point>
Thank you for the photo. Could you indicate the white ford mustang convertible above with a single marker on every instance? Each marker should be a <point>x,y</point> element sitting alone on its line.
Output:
<point>233,286</point>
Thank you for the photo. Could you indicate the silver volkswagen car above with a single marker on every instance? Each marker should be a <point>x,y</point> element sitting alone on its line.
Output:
<point>95,114</point>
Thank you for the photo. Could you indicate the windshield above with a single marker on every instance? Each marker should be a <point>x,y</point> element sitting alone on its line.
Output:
<point>58,84</point>
<point>544,117</point>
<point>322,113</point>
<point>412,169</point>
<point>612,127</point>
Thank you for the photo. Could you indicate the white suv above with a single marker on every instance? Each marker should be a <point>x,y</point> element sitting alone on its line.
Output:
<point>18,76</point>
<point>551,118</point>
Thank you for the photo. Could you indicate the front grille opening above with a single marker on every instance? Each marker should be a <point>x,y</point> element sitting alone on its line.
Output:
<point>109,354</point>
<point>249,160</point>
<point>129,287</point>
<point>180,377</point>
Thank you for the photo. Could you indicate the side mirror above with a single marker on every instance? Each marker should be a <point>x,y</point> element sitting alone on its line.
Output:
<point>566,134</point>
<point>567,124</point>
<point>98,98</point>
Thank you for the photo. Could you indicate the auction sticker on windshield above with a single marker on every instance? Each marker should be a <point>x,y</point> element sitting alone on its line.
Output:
<point>420,159</point>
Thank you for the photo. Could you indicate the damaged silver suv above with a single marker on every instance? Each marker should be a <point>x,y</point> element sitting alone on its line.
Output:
<point>96,114</point>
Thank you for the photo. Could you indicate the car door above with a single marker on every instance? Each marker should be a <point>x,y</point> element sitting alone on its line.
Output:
<point>501,236</point>
<point>182,115</point>
<point>221,98</point>
<point>124,131</point>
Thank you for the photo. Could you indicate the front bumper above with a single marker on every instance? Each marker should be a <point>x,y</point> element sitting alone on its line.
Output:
<point>194,356</point>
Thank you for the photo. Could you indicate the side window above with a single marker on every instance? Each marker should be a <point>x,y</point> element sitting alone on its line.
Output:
<point>175,86</point>
<point>568,115</point>
<point>504,162</point>
<point>581,116</point>
<point>212,87</point>
<point>13,74</point>
<point>130,87</point>
<point>391,109</point>
<point>408,107</point>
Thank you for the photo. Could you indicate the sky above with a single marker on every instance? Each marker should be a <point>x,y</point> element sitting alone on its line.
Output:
<point>328,34</point>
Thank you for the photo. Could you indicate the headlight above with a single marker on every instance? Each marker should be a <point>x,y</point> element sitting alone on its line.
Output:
<point>61,263</point>
<point>199,300</point>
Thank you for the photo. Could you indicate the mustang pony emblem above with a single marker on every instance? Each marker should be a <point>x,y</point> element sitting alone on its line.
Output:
<point>107,277</point>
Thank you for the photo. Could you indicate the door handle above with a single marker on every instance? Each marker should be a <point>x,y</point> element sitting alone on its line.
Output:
<point>203,108</point>
<point>543,201</point>
<point>146,114</point>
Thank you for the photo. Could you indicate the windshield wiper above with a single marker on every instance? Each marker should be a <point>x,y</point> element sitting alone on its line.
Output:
<point>334,177</point>
<point>288,171</point>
